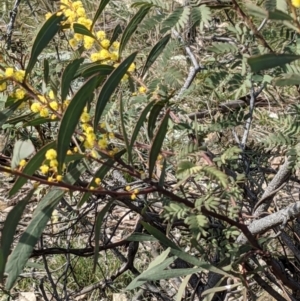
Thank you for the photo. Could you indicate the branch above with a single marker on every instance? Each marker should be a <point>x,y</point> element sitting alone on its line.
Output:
<point>266,223</point>
<point>10,26</point>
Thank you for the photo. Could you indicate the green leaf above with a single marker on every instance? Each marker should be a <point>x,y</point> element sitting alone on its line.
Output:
<point>81,29</point>
<point>4,114</point>
<point>182,287</point>
<point>44,36</point>
<point>155,52</point>
<point>219,289</point>
<point>40,218</point>
<point>140,237</point>
<point>46,71</point>
<point>153,117</point>
<point>270,60</point>
<point>160,236</point>
<point>124,131</point>
<point>132,26</point>
<point>139,124</point>
<point>116,33</point>
<point>98,224</point>
<point>22,149</point>
<point>158,142</point>
<point>290,79</point>
<point>154,275</point>
<point>137,282</point>
<point>161,181</point>
<point>31,167</point>
<point>110,86</point>
<point>101,7</point>
<point>279,16</point>
<point>9,229</point>
<point>68,76</point>
<point>38,121</point>
<point>71,118</point>
<point>276,15</point>
<point>90,69</point>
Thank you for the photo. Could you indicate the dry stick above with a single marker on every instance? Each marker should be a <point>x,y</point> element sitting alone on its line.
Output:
<point>10,26</point>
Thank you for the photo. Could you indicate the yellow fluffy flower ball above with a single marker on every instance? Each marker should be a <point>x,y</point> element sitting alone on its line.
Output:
<point>296,3</point>
<point>51,154</point>
<point>35,107</point>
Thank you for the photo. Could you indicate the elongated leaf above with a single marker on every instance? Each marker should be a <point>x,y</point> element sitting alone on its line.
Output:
<point>291,79</point>
<point>141,237</point>
<point>139,124</point>
<point>194,261</point>
<point>44,36</point>
<point>68,76</point>
<point>124,131</point>
<point>160,236</point>
<point>153,275</point>
<point>90,69</point>
<point>40,218</point>
<point>182,287</point>
<point>22,149</point>
<point>155,52</point>
<point>132,26</point>
<point>71,118</point>
<point>38,121</point>
<point>110,86</point>
<point>98,224</point>
<point>219,289</point>
<point>9,229</point>
<point>101,7</point>
<point>161,181</point>
<point>81,29</point>
<point>270,60</point>
<point>137,282</point>
<point>4,114</point>
<point>46,71</point>
<point>116,33</point>
<point>31,167</point>
<point>102,70</point>
<point>153,118</point>
<point>159,259</point>
<point>158,142</point>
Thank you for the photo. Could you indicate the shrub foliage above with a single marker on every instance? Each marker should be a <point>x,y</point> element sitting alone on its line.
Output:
<point>157,134</point>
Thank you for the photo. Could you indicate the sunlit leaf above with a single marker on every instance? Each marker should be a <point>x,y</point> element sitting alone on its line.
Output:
<point>71,118</point>
<point>270,60</point>
<point>68,76</point>
<point>44,36</point>
<point>158,142</point>
<point>155,52</point>
<point>9,228</point>
<point>21,253</point>
<point>110,85</point>
<point>132,26</point>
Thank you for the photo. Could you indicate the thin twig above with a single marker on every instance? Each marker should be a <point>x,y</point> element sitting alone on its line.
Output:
<point>10,26</point>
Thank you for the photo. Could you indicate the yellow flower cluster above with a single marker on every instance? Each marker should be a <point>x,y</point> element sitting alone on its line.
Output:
<point>43,105</point>
<point>296,3</point>
<point>50,164</point>
<point>19,94</point>
<point>18,75</point>
<point>134,192</point>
